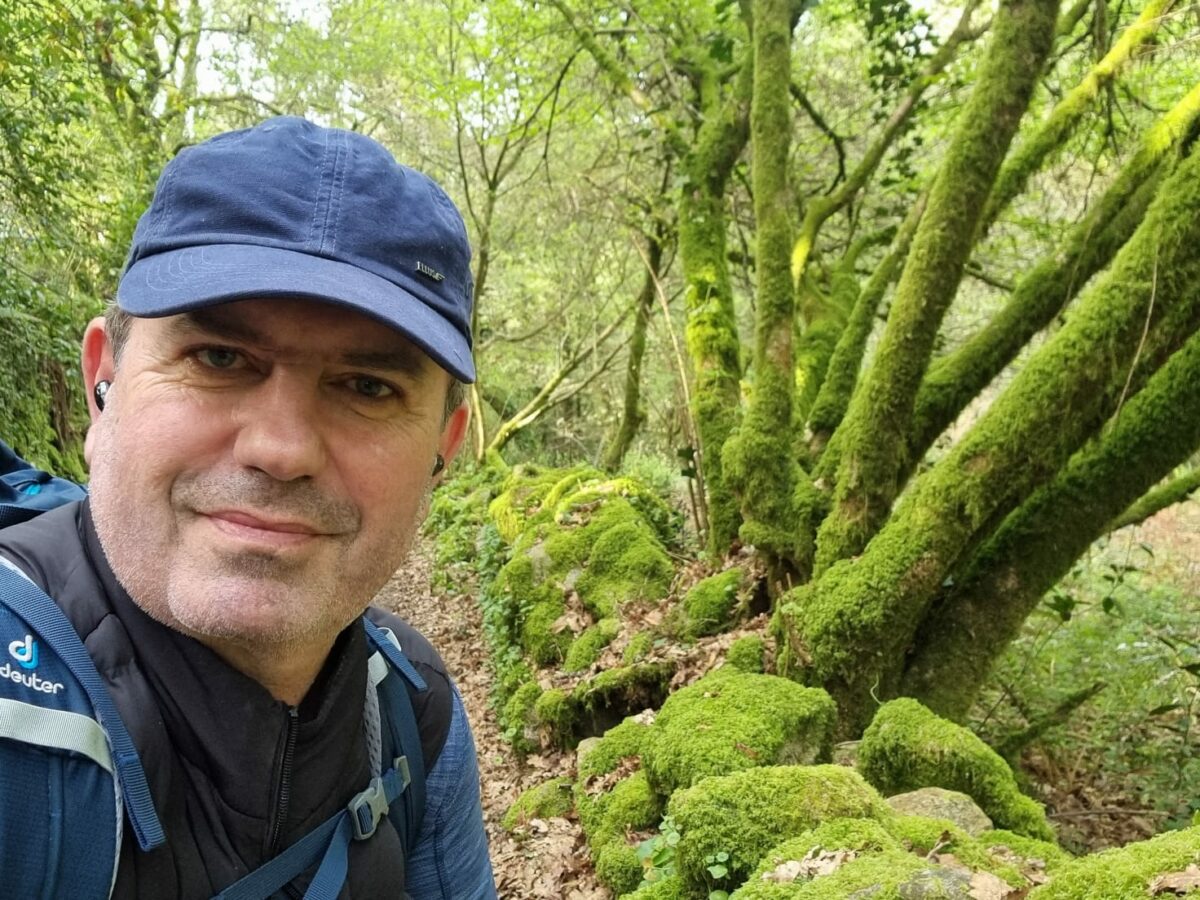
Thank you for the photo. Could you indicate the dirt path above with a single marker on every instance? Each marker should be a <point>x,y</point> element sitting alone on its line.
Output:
<point>549,859</point>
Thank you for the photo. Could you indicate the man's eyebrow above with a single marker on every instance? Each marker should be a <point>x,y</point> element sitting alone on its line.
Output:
<point>404,360</point>
<point>407,360</point>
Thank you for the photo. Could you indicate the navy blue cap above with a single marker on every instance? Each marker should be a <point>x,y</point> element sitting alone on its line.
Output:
<point>291,209</point>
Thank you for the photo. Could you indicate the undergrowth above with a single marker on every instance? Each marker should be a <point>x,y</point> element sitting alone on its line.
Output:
<point>1123,619</point>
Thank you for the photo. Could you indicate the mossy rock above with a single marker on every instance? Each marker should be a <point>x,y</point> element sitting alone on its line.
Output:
<point>652,508</point>
<point>922,835</point>
<point>627,562</point>
<point>628,739</point>
<point>935,802</point>
<point>708,607</point>
<point>746,654</point>
<point>1125,872</point>
<point>543,801</point>
<point>607,815</point>
<point>522,494</point>
<point>599,702</point>
<point>588,646</point>
<point>1008,844</point>
<point>729,720</point>
<point>891,875</point>
<point>908,747</point>
<point>519,719</point>
<point>618,867</point>
<point>748,813</point>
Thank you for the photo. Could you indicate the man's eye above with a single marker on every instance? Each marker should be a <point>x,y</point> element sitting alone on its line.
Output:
<point>219,357</point>
<point>371,388</point>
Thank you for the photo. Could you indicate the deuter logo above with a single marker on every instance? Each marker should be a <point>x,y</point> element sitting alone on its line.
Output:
<point>25,652</point>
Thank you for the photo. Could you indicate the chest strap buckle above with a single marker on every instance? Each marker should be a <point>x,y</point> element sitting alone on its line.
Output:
<point>369,806</point>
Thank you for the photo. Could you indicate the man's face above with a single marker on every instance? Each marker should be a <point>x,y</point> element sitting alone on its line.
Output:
<point>261,467</point>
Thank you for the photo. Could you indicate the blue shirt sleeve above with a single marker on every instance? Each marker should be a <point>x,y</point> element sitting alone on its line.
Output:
<point>450,861</point>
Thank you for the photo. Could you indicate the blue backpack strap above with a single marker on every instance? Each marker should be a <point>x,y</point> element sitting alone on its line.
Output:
<point>396,704</point>
<point>26,491</point>
<point>329,842</point>
<point>43,615</point>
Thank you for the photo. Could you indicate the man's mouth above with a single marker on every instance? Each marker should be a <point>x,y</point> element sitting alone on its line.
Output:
<point>257,528</point>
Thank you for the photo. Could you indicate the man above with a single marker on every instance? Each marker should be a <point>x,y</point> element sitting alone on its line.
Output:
<point>273,398</point>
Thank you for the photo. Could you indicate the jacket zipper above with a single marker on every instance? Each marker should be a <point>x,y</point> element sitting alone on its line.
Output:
<point>284,793</point>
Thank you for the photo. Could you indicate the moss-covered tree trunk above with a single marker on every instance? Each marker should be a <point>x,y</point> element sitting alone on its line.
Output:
<point>842,373</point>
<point>632,413</point>
<point>878,420</point>
<point>955,380</point>
<point>1174,491</point>
<point>853,626</point>
<point>711,331</point>
<point>982,613</point>
<point>758,460</point>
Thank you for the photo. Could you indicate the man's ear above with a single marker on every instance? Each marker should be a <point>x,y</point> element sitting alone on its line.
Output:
<point>453,433</point>
<point>97,361</point>
<point>98,365</point>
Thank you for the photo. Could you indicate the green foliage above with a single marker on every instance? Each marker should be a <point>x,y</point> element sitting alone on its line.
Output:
<point>1124,618</point>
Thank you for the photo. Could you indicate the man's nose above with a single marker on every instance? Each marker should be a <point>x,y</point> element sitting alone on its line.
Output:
<point>279,429</point>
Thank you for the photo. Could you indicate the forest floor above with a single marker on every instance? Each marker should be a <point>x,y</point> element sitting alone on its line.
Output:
<point>549,858</point>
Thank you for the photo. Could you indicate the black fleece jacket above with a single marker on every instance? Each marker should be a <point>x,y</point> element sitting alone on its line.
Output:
<point>236,775</point>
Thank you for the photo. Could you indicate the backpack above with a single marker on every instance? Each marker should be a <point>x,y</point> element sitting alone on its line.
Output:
<point>70,776</point>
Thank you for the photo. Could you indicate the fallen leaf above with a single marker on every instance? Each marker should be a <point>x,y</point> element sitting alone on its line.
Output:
<point>1178,883</point>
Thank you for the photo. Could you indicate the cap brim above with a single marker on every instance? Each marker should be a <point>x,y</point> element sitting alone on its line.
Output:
<point>176,281</point>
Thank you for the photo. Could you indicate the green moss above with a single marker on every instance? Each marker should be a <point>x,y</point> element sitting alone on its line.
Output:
<point>631,805</point>
<point>618,867</point>
<point>649,505</point>
<point>890,875</point>
<point>745,654</point>
<point>1126,872</point>
<point>542,801</point>
<point>638,647</point>
<point>709,604</point>
<point>1001,842</point>
<point>555,711</point>
<point>747,813</point>
<point>921,834</point>
<point>626,563</point>
<point>907,747</point>
<point>667,889</point>
<point>639,686</point>
<point>544,645</point>
<point>518,719</point>
<point>521,496</point>
<point>619,742</point>
<point>730,720</point>
<point>589,645</point>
